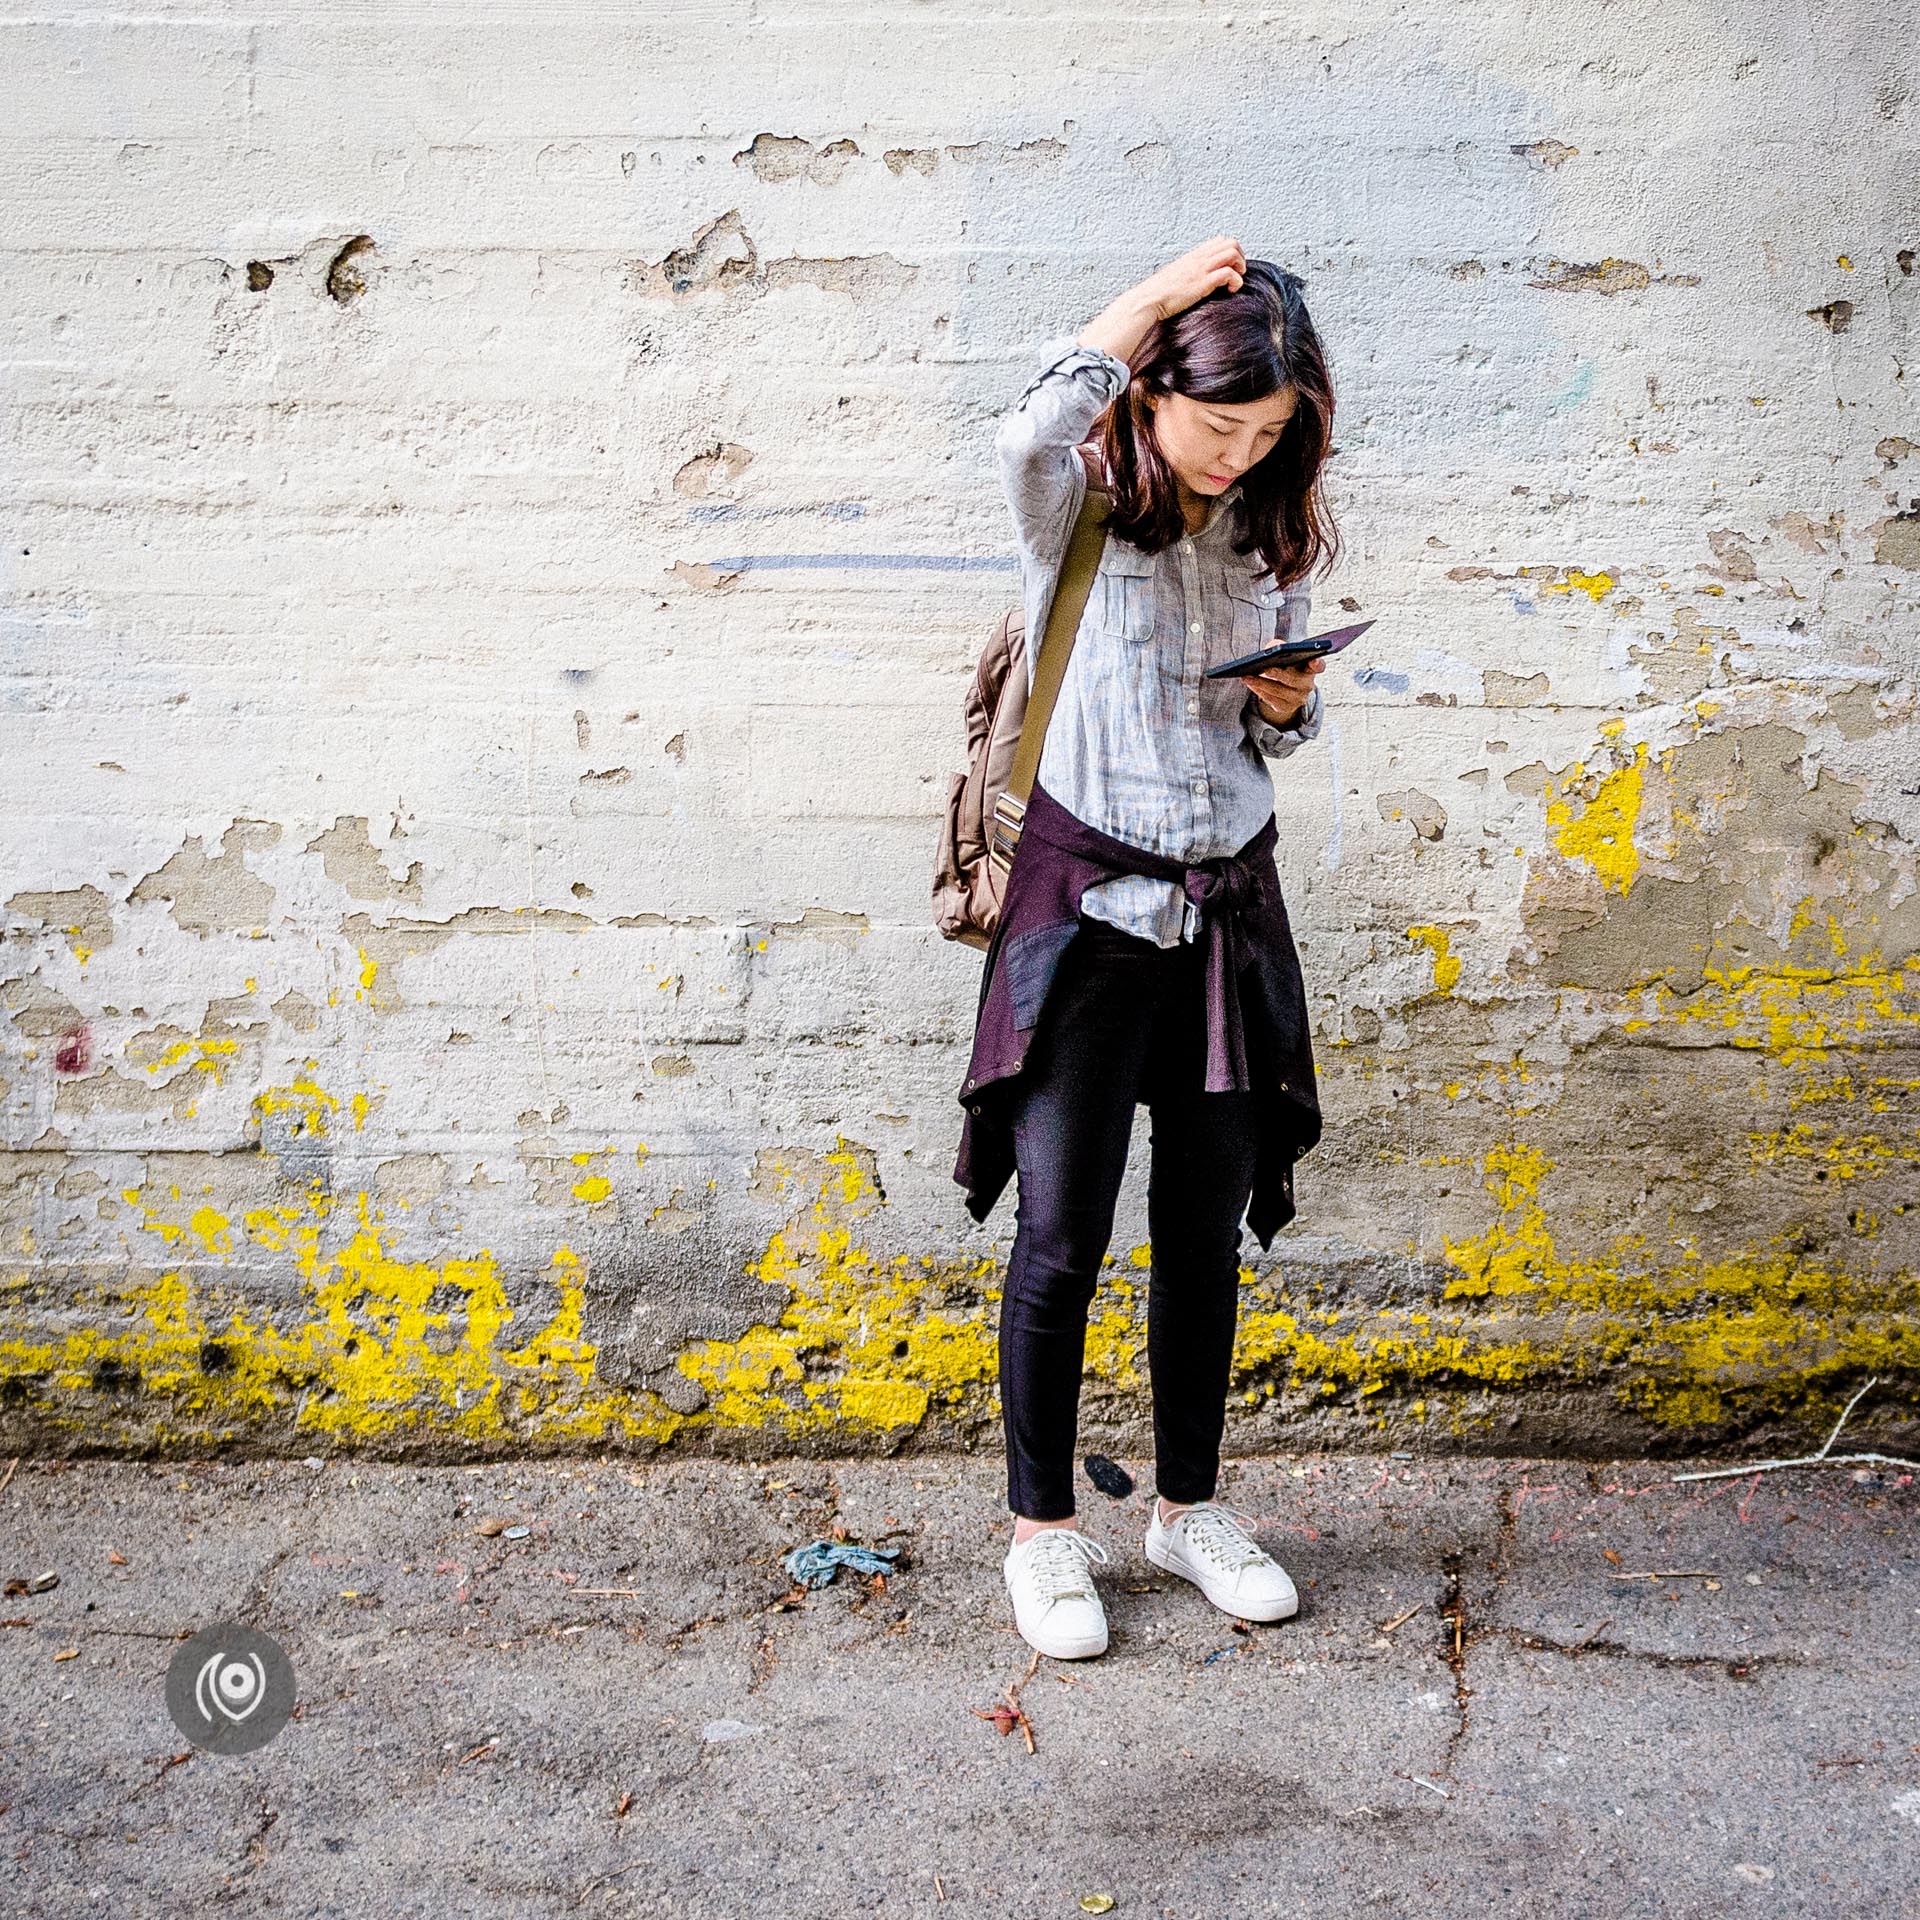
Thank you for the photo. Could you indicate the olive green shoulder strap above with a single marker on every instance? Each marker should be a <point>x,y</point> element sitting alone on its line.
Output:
<point>1077,569</point>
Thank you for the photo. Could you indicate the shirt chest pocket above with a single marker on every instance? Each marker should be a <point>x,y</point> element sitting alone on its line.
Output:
<point>1261,613</point>
<point>1122,599</point>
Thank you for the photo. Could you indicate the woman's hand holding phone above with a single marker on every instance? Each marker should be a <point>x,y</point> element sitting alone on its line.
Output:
<point>1283,692</point>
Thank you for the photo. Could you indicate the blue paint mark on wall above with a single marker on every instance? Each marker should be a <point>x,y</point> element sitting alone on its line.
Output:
<point>1575,391</point>
<point>719,510</point>
<point>868,562</point>
<point>1381,678</point>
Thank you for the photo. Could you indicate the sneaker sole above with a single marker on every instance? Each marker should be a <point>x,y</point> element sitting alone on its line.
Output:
<point>1162,1559</point>
<point>1084,1648</point>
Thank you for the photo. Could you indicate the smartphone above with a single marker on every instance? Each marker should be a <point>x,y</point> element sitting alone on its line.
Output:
<point>1289,655</point>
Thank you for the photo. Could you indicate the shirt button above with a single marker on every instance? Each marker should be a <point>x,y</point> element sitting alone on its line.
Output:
<point>1186,546</point>
<point>1194,627</point>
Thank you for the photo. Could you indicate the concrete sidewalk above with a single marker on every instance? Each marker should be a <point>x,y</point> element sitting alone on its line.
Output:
<point>479,1734</point>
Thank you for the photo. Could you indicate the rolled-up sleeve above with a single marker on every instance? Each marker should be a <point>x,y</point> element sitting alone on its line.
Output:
<point>1039,470</point>
<point>1277,742</point>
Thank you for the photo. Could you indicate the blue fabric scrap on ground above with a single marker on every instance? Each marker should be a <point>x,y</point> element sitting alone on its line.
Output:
<point>816,1564</point>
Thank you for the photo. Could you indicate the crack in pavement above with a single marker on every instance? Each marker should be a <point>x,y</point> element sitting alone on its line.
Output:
<point>1735,1667</point>
<point>1457,1635</point>
<point>273,1566</point>
<point>1457,1611</point>
<point>1452,1609</point>
<point>254,1852</point>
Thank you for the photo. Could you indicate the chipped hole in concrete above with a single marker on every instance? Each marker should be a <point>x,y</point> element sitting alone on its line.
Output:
<point>345,282</point>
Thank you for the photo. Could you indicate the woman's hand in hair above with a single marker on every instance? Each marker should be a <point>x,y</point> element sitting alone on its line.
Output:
<point>1215,263</point>
<point>1119,330</point>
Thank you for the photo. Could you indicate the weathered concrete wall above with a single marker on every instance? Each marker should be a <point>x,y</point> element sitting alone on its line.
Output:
<point>500,512</point>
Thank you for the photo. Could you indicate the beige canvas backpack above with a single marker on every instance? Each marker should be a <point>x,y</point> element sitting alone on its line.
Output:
<point>1005,731</point>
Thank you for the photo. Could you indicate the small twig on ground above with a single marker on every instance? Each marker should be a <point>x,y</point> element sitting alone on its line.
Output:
<point>1401,1619</point>
<point>1430,1785</point>
<point>1669,1573</point>
<point>623,1593</point>
<point>1012,1714</point>
<point>605,1879</point>
<point>1020,1716</point>
<point>1826,1457</point>
<point>14,1462</point>
<point>166,1766</point>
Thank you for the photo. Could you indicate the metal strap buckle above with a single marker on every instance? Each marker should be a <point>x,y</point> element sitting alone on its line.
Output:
<point>1008,814</point>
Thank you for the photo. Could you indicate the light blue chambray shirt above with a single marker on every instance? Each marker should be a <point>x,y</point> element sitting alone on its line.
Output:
<point>1140,745</point>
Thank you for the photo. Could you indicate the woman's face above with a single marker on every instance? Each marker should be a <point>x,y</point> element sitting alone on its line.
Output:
<point>1209,444</point>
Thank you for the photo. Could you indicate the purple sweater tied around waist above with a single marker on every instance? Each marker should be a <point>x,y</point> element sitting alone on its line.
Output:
<point>1256,1000</point>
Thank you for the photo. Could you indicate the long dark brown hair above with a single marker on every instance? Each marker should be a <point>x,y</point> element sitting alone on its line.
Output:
<point>1233,346</point>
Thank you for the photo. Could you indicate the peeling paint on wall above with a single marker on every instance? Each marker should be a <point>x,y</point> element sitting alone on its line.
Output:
<point>219,892</point>
<point>465,982</point>
<point>856,1347</point>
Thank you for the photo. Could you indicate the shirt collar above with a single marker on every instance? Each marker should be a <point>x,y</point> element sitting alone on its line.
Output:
<point>1220,505</point>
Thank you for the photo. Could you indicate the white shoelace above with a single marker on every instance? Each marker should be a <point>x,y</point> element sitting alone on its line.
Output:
<point>1216,1532</point>
<point>1057,1557</point>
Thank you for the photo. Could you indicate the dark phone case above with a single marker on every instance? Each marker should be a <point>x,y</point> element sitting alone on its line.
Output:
<point>1311,649</point>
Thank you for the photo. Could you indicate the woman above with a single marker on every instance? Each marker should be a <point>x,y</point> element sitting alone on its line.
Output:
<point>1143,952</point>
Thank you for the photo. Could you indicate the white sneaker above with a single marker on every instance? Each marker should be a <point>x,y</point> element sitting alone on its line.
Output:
<point>1204,1543</point>
<point>1055,1604</point>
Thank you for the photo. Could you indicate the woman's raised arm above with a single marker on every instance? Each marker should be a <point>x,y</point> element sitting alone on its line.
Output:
<point>1039,472</point>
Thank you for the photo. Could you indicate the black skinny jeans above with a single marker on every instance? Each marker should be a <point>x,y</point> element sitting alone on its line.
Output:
<point>1124,1022</point>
